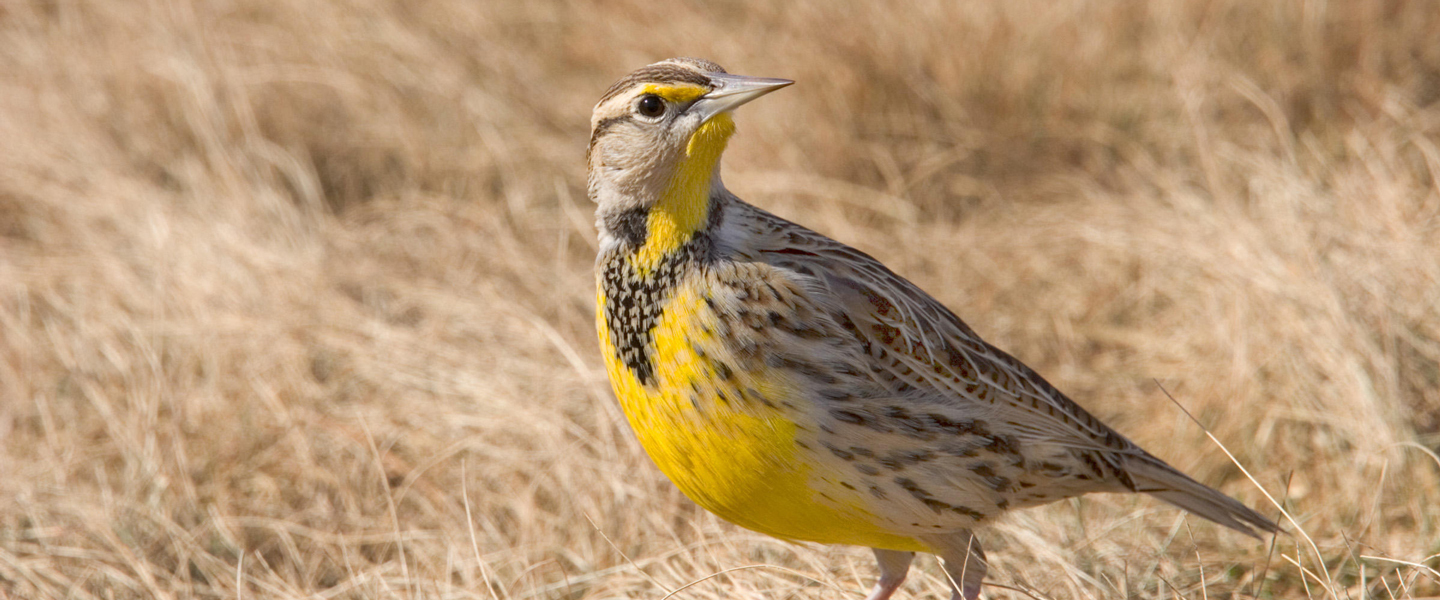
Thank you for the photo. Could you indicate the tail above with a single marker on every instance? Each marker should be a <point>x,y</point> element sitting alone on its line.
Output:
<point>1152,476</point>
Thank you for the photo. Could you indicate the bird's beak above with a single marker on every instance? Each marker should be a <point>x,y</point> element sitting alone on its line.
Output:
<point>733,90</point>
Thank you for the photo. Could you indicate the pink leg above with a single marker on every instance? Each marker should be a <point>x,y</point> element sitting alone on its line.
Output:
<point>893,567</point>
<point>964,562</point>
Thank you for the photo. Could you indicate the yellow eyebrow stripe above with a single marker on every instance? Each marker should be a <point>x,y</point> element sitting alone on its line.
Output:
<point>676,93</point>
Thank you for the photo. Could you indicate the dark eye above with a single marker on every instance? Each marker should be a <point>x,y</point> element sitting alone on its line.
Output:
<point>650,105</point>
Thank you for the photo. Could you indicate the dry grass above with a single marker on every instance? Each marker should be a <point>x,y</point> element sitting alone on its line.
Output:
<point>295,295</point>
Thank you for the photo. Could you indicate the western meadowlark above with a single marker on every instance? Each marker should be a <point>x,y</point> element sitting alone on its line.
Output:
<point>794,385</point>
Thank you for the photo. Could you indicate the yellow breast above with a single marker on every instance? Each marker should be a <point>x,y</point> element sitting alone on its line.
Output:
<point>704,424</point>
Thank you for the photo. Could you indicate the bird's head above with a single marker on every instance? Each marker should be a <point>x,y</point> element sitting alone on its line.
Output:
<point>657,134</point>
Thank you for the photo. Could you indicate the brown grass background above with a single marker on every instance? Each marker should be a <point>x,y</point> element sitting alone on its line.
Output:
<point>295,295</point>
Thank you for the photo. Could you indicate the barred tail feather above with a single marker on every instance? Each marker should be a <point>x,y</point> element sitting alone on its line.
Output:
<point>1153,476</point>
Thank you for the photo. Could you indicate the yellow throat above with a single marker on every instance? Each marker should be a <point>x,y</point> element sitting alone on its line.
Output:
<point>685,205</point>
<point>732,454</point>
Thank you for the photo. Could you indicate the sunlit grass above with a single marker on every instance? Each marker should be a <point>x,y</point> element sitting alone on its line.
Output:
<point>295,297</point>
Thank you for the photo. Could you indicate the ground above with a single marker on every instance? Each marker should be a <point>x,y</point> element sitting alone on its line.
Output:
<point>295,296</point>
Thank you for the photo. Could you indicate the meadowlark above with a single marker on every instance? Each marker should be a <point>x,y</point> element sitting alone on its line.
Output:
<point>796,386</point>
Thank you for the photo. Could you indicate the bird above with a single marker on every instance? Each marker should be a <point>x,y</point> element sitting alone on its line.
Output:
<point>795,386</point>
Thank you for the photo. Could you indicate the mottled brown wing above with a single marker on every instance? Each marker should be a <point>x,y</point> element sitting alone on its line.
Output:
<point>915,341</point>
<point>912,337</point>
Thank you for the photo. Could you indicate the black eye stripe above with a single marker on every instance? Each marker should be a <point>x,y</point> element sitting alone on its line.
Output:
<point>604,126</point>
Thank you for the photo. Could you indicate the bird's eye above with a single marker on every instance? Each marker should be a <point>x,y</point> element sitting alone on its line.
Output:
<point>650,105</point>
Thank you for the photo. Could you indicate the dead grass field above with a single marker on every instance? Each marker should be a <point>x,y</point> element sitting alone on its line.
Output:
<point>295,296</point>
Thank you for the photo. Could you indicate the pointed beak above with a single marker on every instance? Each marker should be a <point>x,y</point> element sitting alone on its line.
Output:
<point>733,90</point>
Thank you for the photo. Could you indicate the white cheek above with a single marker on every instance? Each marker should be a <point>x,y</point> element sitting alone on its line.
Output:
<point>686,125</point>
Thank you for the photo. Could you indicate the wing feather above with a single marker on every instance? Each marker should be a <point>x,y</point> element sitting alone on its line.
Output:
<point>907,336</point>
<point>915,338</point>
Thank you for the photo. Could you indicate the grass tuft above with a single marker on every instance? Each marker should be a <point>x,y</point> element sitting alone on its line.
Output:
<point>296,297</point>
